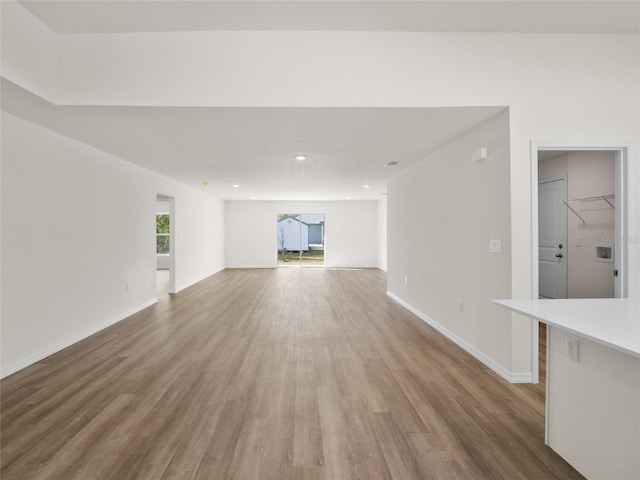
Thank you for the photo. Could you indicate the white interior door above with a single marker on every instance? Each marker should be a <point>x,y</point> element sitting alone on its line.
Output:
<point>552,239</point>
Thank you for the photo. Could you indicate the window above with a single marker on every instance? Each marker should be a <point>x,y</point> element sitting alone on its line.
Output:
<point>162,233</point>
<point>300,239</point>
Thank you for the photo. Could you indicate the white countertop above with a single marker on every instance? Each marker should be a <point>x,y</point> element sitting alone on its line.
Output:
<point>613,322</point>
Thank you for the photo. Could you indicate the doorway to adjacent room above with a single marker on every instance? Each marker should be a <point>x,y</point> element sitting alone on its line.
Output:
<point>579,226</point>
<point>165,245</point>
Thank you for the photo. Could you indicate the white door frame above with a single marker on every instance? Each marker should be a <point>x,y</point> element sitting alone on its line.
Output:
<point>626,228</point>
<point>172,245</point>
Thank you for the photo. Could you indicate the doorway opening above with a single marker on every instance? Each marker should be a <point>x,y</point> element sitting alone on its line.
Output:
<point>580,223</point>
<point>165,245</point>
<point>577,224</point>
<point>300,240</point>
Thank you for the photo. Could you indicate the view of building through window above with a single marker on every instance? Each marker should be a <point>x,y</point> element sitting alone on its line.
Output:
<point>300,239</point>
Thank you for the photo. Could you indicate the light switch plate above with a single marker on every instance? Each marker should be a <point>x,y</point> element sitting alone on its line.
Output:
<point>495,246</point>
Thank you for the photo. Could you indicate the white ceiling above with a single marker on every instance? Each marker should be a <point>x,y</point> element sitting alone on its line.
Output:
<point>537,16</point>
<point>255,147</point>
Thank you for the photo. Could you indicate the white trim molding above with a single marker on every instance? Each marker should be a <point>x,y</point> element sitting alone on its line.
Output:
<point>625,209</point>
<point>67,343</point>
<point>511,377</point>
<point>626,215</point>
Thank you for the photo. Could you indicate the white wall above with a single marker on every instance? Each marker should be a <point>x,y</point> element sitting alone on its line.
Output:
<point>163,262</point>
<point>553,167</point>
<point>382,234</point>
<point>29,51</point>
<point>356,69</point>
<point>162,206</point>
<point>442,214</point>
<point>350,232</point>
<point>78,225</point>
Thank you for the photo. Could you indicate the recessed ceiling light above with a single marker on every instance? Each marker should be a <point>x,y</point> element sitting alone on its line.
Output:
<point>235,185</point>
<point>391,164</point>
<point>205,184</point>
<point>301,158</point>
<point>366,186</point>
<point>348,198</point>
<point>253,198</point>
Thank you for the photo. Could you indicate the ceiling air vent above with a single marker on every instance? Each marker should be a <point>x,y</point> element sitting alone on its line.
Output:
<point>391,164</point>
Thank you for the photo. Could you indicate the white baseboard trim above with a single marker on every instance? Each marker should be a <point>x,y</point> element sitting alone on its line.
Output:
<point>517,377</point>
<point>67,343</point>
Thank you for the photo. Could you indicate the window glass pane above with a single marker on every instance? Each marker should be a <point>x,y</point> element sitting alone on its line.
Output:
<point>300,239</point>
<point>162,244</point>
<point>162,223</point>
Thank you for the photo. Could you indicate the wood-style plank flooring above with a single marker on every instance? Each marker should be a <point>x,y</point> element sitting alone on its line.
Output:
<point>272,374</point>
<point>162,282</point>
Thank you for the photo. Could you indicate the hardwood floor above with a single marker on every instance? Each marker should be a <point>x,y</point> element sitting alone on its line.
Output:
<point>162,282</point>
<point>272,374</point>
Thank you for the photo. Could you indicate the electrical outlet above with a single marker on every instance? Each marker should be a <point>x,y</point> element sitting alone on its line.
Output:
<point>460,305</point>
<point>572,350</point>
<point>406,280</point>
<point>128,286</point>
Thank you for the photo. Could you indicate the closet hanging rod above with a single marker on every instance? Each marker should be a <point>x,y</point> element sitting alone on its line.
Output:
<point>606,198</point>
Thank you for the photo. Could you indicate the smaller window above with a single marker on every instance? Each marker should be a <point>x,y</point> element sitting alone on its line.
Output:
<point>162,234</point>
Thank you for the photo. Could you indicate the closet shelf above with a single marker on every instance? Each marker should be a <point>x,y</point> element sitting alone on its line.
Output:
<point>590,204</point>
